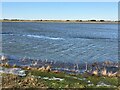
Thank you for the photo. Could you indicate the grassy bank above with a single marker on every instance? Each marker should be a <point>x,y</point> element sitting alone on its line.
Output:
<point>44,79</point>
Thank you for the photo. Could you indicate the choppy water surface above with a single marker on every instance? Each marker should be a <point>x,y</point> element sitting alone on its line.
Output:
<point>68,42</point>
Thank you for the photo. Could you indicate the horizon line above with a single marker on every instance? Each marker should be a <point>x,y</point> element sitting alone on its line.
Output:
<point>59,19</point>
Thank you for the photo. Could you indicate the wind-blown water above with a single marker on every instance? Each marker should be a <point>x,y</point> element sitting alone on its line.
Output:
<point>68,42</point>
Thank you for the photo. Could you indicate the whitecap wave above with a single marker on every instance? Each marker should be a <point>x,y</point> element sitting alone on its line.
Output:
<point>44,37</point>
<point>35,36</point>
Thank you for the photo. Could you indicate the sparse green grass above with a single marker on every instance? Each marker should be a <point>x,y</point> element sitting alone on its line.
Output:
<point>71,80</point>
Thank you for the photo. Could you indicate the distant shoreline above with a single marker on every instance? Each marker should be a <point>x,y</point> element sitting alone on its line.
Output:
<point>64,21</point>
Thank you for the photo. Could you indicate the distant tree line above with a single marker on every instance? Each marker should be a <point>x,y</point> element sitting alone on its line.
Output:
<point>93,20</point>
<point>96,20</point>
<point>88,20</point>
<point>78,20</point>
<point>12,19</point>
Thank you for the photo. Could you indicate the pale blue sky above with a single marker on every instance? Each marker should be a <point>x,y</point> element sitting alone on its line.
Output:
<point>60,10</point>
